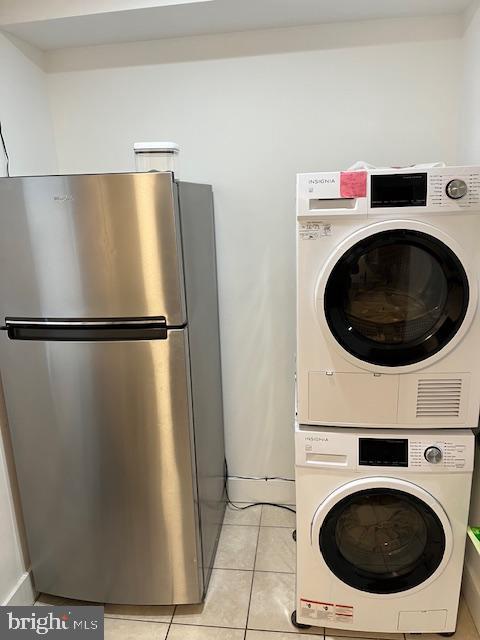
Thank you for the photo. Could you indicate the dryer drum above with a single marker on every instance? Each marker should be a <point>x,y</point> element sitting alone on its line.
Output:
<point>396,331</point>
<point>382,540</point>
<point>396,297</point>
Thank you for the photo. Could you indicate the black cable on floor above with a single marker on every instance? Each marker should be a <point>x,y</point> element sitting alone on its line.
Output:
<point>4,147</point>
<point>262,478</point>
<point>254,504</point>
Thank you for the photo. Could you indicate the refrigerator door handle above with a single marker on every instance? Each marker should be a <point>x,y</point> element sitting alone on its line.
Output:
<point>61,329</point>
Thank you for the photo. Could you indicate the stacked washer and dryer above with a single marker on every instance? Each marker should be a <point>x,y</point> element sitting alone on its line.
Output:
<point>388,382</point>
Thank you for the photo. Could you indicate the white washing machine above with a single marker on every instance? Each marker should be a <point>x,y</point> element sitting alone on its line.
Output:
<point>381,528</point>
<point>388,328</point>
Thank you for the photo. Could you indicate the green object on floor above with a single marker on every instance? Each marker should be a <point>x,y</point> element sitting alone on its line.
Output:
<point>474,534</point>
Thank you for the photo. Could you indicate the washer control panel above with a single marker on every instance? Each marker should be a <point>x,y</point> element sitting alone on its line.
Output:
<point>387,451</point>
<point>438,453</point>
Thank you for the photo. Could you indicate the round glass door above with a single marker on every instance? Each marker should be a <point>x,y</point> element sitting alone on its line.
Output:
<point>396,297</point>
<point>382,540</point>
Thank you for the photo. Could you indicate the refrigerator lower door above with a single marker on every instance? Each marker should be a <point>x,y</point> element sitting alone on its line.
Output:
<point>103,444</point>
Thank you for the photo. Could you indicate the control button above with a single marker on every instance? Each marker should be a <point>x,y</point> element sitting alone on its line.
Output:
<point>456,189</point>
<point>433,455</point>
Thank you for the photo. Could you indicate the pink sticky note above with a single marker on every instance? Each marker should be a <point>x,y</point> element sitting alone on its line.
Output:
<point>353,184</point>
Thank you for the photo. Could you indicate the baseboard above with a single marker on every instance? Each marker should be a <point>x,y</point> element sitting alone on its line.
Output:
<point>277,491</point>
<point>471,582</point>
<point>23,594</point>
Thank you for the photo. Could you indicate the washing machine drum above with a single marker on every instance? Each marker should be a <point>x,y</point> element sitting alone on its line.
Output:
<point>382,541</point>
<point>396,298</point>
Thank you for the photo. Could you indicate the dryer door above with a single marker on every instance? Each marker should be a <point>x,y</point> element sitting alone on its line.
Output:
<point>382,535</point>
<point>395,296</point>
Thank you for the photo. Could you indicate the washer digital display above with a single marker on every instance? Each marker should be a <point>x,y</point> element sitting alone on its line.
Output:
<point>383,452</point>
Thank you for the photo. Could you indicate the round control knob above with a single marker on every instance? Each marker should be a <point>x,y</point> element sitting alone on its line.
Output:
<point>433,455</point>
<point>456,189</point>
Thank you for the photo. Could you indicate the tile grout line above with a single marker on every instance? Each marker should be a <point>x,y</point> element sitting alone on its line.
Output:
<point>292,633</point>
<point>287,573</point>
<point>253,574</point>
<point>259,526</point>
<point>171,621</point>
<point>130,619</point>
<point>208,626</point>
<point>250,571</point>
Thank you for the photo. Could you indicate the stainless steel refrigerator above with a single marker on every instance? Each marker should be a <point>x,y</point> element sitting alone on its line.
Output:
<point>110,363</point>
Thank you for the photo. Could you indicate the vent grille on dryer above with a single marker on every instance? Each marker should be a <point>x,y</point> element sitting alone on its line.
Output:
<point>440,398</point>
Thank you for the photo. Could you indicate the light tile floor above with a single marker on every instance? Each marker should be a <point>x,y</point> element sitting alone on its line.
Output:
<point>251,593</point>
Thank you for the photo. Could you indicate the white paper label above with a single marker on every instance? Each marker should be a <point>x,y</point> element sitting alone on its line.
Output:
<point>312,230</point>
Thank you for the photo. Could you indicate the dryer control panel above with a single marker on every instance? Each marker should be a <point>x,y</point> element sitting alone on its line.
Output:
<point>460,187</point>
<point>388,192</point>
<point>449,187</point>
<point>369,451</point>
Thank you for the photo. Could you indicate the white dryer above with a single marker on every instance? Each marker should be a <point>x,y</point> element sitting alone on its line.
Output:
<point>381,528</point>
<point>388,328</point>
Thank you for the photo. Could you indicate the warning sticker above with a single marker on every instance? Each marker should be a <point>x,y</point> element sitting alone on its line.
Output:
<point>343,613</point>
<point>353,184</point>
<point>325,612</point>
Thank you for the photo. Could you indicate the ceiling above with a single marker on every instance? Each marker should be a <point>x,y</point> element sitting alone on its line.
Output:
<point>192,17</point>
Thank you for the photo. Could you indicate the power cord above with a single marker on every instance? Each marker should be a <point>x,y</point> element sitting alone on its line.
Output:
<point>262,478</point>
<point>7,165</point>
<point>254,504</point>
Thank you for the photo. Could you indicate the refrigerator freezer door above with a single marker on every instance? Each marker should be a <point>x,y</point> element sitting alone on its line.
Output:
<point>102,436</point>
<point>91,246</point>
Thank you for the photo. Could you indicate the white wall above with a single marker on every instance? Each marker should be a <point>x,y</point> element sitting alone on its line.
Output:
<point>27,127</point>
<point>25,109</point>
<point>249,111</point>
<point>469,126</point>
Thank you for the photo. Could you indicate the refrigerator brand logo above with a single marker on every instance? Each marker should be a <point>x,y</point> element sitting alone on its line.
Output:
<point>25,623</point>
<point>63,198</point>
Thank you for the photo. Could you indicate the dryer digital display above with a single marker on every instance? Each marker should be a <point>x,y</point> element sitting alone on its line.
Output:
<point>399,190</point>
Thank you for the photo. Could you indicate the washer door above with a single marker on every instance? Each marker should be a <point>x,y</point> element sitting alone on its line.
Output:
<point>383,536</point>
<point>396,297</point>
